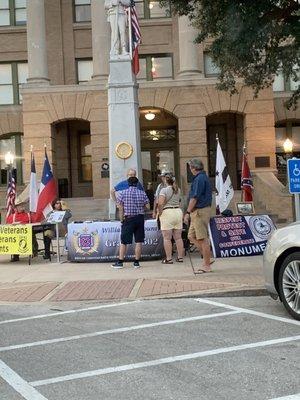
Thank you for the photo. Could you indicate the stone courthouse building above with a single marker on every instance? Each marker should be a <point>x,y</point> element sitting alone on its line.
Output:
<point>53,89</point>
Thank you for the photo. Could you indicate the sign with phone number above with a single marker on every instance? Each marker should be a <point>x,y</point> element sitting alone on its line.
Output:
<point>100,241</point>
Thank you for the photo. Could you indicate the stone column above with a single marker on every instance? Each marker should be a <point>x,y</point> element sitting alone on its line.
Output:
<point>36,42</point>
<point>100,40</point>
<point>123,122</point>
<point>189,57</point>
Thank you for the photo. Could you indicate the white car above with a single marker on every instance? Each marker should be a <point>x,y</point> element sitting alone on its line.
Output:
<point>282,267</point>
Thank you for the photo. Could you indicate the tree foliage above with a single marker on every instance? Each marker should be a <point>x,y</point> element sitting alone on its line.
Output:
<point>253,39</point>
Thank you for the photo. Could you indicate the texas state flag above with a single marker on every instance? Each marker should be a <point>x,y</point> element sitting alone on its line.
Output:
<point>48,190</point>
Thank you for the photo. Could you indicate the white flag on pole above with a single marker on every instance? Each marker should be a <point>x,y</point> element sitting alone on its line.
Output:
<point>224,187</point>
<point>33,191</point>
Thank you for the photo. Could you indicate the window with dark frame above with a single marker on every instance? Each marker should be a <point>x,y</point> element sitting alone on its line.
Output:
<point>13,12</point>
<point>13,143</point>
<point>286,84</point>
<point>12,76</point>
<point>85,157</point>
<point>156,67</point>
<point>82,10</point>
<point>148,9</point>
<point>210,68</point>
<point>84,70</point>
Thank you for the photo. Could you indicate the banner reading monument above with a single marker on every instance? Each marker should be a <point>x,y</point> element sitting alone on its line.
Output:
<point>239,236</point>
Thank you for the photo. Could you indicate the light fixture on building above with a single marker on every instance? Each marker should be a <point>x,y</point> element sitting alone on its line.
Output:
<point>151,5</point>
<point>9,158</point>
<point>150,116</point>
<point>155,138</point>
<point>288,146</point>
<point>153,133</point>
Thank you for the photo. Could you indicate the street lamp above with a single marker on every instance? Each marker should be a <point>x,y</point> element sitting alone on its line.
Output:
<point>288,147</point>
<point>9,159</point>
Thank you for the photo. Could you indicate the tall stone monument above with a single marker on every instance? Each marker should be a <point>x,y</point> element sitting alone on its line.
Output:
<point>123,105</point>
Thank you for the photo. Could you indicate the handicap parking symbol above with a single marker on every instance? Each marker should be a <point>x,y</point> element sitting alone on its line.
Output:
<point>294,175</point>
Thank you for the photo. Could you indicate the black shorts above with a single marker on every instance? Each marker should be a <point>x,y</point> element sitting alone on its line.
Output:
<point>133,226</point>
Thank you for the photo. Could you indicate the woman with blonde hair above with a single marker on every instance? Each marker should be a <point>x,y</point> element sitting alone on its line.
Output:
<point>171,216</point>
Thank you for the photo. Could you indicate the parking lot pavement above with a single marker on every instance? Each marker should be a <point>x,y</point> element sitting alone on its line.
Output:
<point>221,348</point>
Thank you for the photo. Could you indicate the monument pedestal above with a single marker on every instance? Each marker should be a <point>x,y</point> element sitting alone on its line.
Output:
<point>124,126</point>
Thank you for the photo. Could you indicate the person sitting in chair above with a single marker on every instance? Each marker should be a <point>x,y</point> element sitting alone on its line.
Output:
<point>58,205</point>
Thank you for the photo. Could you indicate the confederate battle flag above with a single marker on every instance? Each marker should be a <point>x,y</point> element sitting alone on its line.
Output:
<point>246,181</point>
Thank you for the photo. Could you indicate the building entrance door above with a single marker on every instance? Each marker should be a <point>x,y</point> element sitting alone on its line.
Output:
<point>155,161</point>
<point>73,158</point>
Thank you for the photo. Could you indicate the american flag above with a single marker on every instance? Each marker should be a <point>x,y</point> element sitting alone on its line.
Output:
<point>136,37</point>
<point>11,194</point>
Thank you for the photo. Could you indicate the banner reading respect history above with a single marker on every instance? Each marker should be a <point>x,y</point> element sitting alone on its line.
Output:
<point>16,239</point>
<point>239,236</point>
<point>100,241</point>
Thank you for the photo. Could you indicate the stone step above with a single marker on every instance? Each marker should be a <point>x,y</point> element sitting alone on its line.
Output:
<point>87,208</point>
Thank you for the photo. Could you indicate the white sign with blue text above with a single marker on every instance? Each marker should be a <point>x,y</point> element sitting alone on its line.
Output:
<point>294,175</point>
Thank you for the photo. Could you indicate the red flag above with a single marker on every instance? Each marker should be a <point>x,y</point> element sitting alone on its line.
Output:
<point>48,191</point>
<point>246,181</point>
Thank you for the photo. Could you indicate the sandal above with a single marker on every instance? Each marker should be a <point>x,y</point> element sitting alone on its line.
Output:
<point>165,261</point>
<point>180,260</point>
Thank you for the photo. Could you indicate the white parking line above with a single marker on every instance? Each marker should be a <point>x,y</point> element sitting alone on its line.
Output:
<point>116,330</point>
<point>292,397</point>
<point>19,384</point>
<point>161,361</point>
<point>9,321</point>
<point>251,312</point>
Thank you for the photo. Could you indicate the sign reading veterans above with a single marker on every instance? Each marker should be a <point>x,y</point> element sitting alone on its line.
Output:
<point>100,241</point>
<point>294,175</point>
<point>16,239</point>
<point>239,236</point>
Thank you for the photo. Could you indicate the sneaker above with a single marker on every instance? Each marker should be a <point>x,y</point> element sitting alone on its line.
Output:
<point>136,264</point>
<point>117,265</point>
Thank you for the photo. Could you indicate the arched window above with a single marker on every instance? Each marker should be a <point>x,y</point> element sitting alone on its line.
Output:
<point>11,142</point>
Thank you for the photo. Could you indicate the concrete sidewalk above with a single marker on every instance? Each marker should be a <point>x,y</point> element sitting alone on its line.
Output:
<point>50,281</point>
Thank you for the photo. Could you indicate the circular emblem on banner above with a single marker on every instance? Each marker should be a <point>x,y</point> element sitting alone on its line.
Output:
<point>23,245</point>
<point>261,226</point>
<point>124,150</point>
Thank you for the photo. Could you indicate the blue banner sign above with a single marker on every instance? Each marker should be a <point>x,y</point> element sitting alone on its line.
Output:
<point>100,241</point>
<point>240,236</point>
<point>294,175</point>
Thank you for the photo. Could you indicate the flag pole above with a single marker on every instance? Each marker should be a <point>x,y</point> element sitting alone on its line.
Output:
<point>244,151</point>
<point>130,32</point>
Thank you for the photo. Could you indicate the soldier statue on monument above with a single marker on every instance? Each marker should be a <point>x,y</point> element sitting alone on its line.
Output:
<point>117,17</point>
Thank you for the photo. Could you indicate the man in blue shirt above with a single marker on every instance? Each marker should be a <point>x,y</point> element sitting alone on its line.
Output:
<point>132,203</point>
<point>123,185</point>
<point>199,211</point>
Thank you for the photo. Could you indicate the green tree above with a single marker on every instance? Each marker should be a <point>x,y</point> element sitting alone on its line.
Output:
<point>253,39</point>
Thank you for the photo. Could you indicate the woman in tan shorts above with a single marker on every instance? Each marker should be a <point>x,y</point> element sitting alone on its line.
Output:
<point>171,216</point>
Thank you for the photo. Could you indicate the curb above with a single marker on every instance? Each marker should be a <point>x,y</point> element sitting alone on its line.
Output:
<point>244,292</point>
